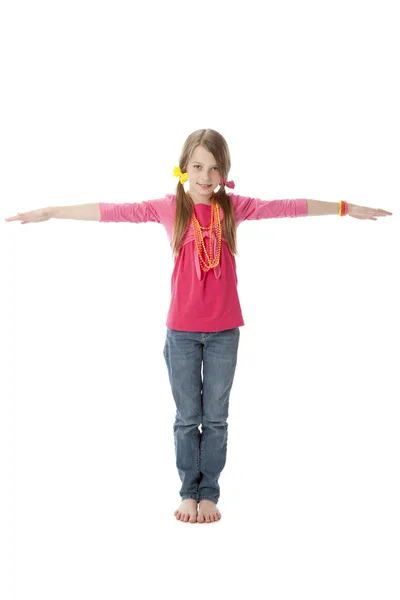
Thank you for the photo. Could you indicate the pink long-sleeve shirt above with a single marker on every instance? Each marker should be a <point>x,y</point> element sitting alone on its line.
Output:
<point>202,301</point>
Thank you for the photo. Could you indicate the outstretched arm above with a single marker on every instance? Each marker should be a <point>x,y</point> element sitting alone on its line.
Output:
<point>320,207</point>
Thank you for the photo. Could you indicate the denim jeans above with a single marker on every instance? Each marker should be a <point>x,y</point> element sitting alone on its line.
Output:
<point>201,368</point>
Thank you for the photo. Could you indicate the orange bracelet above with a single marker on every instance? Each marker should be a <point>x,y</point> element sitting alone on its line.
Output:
<point>343,208</point>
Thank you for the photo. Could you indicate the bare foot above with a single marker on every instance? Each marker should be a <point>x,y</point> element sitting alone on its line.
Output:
<point>187,511</point>
<point>208,512</point>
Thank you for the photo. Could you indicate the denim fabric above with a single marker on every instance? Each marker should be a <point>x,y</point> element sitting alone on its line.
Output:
<point>201,368</point>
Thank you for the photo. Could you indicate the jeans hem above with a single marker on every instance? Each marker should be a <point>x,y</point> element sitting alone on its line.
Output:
<point>208,498</point>
<point>190,497</point>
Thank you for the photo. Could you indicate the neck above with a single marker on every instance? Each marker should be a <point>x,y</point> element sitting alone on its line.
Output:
<point>199,199</point>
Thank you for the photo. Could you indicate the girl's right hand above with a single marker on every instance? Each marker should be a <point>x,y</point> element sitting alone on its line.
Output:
<point>33,216</point>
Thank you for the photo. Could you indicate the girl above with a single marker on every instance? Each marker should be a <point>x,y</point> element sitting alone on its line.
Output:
<point>204,316</point>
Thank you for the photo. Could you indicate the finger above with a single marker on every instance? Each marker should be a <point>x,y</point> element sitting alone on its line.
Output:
<point>38,220</point>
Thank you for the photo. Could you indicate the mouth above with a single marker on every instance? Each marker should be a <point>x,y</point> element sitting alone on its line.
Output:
<point>205,187</point>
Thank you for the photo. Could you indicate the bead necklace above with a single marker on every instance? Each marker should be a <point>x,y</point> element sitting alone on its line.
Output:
<point>198,236</point>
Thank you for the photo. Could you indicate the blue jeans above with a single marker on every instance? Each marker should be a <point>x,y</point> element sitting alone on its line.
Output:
<point>201,456</point>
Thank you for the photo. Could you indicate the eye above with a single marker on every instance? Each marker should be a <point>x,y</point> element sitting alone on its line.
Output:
<point>199,166</point>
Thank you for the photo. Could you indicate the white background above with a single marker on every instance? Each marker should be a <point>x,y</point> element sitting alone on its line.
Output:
<point>96,101</point>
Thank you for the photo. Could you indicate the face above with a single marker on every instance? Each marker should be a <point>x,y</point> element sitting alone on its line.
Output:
<point>202,168</point>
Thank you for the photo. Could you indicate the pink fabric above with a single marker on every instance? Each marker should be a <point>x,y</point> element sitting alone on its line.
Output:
<point>230,184</point>
<point>202,301</point>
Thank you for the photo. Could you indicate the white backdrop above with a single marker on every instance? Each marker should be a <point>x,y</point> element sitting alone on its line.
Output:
<point>96,101</point>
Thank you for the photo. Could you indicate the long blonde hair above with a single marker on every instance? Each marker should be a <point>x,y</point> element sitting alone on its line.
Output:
<point>215,143</point>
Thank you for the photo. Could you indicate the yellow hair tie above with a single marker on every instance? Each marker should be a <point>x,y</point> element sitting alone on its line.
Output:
<point>178,173</point>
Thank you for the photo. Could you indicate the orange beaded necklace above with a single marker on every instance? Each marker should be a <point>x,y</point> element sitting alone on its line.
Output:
<point>198,236</point>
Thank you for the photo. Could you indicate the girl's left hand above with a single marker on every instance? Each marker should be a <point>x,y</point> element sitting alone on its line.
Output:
<point>364,212</point>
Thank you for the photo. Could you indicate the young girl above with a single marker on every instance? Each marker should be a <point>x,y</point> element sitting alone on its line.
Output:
<point>204,316</point>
